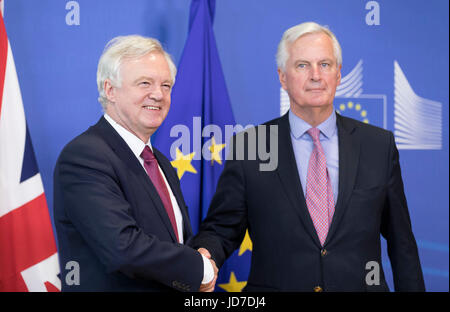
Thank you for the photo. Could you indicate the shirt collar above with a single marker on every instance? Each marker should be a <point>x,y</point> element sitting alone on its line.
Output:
<point>299,126</point>
<point>134,143</point>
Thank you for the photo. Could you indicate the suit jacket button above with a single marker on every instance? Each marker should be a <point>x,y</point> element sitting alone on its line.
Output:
<point>318,289</point>
<point>323,252</point>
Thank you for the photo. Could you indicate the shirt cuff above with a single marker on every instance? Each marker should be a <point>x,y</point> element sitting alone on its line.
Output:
<point>208,271</point>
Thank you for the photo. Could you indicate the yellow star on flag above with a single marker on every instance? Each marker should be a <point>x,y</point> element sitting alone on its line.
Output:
<point>246,244</point>
<point>233,285</point>
<point>215,150</point>
<point>183,163</point>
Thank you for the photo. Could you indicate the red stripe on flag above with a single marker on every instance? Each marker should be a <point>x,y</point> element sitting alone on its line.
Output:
<point>51,288</point>
<point>26,238</point>
<point>13,283</point>
<point>3,56</point>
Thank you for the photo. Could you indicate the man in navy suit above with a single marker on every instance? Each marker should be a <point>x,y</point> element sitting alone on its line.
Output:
<point>118,207</point>
<point>316,220</point>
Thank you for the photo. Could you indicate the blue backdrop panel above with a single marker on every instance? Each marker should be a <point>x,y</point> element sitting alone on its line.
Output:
<point>395,61</point>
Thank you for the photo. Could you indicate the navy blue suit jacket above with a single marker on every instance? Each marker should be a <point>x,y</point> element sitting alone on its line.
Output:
<point>110,219</point>
<point>287,254</point>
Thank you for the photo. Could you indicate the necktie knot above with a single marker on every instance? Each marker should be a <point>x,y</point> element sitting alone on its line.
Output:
<point>314,133</point>
<point>147,154</point>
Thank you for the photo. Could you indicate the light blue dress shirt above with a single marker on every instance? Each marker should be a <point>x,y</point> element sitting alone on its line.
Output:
<point>303,146</point>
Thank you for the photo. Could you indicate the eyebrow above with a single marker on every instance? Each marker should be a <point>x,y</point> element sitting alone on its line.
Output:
<point>308,62</point>
<point>142,78</point>
<point>151,79</point>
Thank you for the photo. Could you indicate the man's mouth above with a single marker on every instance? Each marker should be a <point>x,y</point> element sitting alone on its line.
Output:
<point>151,107</point>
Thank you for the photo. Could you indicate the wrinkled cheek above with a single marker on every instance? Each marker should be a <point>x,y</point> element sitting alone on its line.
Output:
<point>165,112</point>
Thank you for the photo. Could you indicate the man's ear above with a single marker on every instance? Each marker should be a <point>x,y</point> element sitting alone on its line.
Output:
<point>110,90</point>
<point>282,77</point>
<point>339,74</point>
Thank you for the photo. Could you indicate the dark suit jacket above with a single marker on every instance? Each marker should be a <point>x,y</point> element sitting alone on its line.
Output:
<point>287,255</point>
<point>110,219</point>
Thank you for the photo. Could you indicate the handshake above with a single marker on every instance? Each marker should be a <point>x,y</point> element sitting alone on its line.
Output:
<point>209,287</point>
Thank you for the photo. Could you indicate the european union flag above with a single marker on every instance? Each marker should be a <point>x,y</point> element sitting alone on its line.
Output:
<point>367,108</point>
<point>194,133</point>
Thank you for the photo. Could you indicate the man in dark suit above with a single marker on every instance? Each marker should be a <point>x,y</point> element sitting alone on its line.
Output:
<point>118,207</point>
<point>315,221</point>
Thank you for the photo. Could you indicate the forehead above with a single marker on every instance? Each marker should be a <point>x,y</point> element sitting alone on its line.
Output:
<point>312,46</point>
<point>152,64</point>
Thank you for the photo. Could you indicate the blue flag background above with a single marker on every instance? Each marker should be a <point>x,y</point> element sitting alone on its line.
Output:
<point>57,44</point>
<point>193,133</point>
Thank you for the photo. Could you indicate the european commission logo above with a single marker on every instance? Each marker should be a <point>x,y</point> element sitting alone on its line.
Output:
<point>417,121</point>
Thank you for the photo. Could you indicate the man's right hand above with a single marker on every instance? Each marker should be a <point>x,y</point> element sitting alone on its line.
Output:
<point>209,287</point>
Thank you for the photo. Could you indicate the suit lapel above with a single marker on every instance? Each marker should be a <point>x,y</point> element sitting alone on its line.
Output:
<point>349,149</point>
<point>288,174</point>
<point>120,147</point>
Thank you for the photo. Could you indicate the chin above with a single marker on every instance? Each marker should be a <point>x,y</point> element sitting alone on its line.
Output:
<point>317,104</point>
<point>154,125</point>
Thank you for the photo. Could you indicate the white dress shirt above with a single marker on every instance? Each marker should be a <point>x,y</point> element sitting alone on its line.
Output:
<point>137,146</point>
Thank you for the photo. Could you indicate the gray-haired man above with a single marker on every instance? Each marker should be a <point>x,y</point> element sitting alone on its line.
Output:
<point>315,221</point>
<point>118,207</point>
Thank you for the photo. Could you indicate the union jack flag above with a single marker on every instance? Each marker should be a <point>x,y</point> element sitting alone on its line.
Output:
<point>28,255</point>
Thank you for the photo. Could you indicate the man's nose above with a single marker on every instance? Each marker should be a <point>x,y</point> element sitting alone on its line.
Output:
<point>315,72</point>
<point>156,94</point>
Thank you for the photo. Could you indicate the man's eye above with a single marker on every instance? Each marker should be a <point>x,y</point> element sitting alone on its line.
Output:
<point>325,64</point>
<point>301,65</point>
<point>167,86</point>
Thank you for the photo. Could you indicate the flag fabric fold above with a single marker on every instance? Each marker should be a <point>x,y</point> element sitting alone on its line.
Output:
<point>28,255</point>
<point>193,135</point>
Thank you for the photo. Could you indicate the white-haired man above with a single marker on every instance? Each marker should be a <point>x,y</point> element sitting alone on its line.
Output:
<point>315,221</point>
<point>118,207</point>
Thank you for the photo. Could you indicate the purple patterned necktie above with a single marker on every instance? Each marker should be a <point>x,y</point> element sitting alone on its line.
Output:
<point>151,166</point>
<point>319,193</point>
